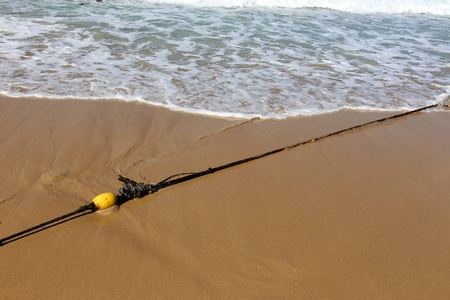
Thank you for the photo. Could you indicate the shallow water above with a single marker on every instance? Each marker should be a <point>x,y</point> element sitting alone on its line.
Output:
<point>231,58</point>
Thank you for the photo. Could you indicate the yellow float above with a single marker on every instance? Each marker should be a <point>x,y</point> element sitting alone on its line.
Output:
<point>105,200</point>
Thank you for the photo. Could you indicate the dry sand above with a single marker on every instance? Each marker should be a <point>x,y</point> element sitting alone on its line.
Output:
<point>364,215</point>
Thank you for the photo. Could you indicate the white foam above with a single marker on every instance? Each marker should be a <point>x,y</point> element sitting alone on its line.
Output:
<point>270,63</point>
<point>438,7</point>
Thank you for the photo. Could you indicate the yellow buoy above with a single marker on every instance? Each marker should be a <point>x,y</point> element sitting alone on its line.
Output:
<point>105,200</point>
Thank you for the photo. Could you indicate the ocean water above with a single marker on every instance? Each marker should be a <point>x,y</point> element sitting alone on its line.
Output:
<point>246,58</point>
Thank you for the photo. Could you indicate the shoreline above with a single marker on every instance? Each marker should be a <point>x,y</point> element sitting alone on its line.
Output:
<point>226,115</point>
<point>359,215</point>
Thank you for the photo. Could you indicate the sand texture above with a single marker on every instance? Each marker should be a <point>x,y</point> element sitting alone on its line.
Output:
<point>364,215</point>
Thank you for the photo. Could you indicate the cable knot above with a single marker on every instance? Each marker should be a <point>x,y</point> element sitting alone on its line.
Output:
<point>132,189</point>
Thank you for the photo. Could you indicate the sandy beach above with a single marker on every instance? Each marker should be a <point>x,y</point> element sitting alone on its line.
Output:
<point>363,215</point>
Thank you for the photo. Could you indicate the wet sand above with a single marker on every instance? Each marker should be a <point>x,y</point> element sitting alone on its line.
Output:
<point>363,215</point>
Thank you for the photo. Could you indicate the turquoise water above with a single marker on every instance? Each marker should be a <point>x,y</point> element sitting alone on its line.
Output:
<point>230,58</point>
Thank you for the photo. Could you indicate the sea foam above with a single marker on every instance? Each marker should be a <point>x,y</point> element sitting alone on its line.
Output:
<point>438,7</point>
<point>259,61</point>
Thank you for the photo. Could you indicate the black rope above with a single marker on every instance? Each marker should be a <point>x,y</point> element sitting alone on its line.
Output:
<point>141,189</point>
<point>83,208</point>
<point>132,189</point>
<point>166,182</point>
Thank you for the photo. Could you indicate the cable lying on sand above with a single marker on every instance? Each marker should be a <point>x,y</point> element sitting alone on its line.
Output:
<point>132,189</point>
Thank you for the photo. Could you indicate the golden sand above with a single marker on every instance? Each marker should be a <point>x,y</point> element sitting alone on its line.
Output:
<point>364,215</point>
